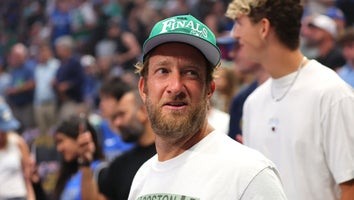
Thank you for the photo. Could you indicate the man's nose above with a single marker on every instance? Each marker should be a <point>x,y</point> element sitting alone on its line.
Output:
<point>175,85</point>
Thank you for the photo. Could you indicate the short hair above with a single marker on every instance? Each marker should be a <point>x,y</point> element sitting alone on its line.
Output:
<point>283,15</point>
<point>65,41</point>
<point>114,87</point>
<point>346,36</point>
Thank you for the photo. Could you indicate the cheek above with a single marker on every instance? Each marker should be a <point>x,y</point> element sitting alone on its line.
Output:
<point>348,52</point>
<point>69,151</point>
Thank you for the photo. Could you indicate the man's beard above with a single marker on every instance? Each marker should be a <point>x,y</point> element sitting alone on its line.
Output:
<point>133,131</point>
<point>176,124</point>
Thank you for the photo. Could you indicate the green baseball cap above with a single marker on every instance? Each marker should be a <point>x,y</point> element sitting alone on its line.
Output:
<point>186,29</point>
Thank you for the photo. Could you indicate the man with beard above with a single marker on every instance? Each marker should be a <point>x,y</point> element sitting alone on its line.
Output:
<point>193,160</point>
<point>132,122</point>
<point>130,118</point>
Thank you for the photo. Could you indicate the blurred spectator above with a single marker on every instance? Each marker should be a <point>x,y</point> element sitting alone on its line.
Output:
<point>111,8</point>
<point>346,42</point>
<point>21,89</point>
<point>59,19</point>
<point>126,48</point>
<point>111,91</point>
<point>322,36</point>
<point>15,166</point>
<point>69,79</point>
<point>133,124</point>
<point>338,16</point>
<point>243,66</point>
<point>92,82</point>
<point>225,82</point>
<point>134,23</point>
<point>45,99</point>
<point>83,21</point>
<point>76,173</point>
<point>216,20</point>
<point>4,77</point>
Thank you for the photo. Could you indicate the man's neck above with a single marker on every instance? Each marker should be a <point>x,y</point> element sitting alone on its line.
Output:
<point>282,62</point>
<point>169,148</point>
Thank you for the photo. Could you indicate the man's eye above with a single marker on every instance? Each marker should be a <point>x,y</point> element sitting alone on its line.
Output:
<point>192,72</point>
<point>162,71</point>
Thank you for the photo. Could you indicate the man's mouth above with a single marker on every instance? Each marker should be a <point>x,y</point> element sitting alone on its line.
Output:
<point>175,104</point>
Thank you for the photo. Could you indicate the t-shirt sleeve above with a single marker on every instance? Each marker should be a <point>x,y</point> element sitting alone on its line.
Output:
<point>265,185</point>
<point>338,139</point>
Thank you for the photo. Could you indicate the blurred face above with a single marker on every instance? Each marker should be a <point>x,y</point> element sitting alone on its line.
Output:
<point>60,51</point>
<point>242,64</point>
<point>348,51</point>
<point>175,91</point>
<point>248,36</point>
<point>315,36</point>
<point>128,119</point>
<point>67,147</point>
<point>107,103</point>
<point>44,54</point>
<point>16,57</point>
<point>221,81</point>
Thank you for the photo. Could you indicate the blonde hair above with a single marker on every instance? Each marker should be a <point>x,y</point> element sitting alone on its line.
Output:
<point>284,17</point>
<point>242,7</point>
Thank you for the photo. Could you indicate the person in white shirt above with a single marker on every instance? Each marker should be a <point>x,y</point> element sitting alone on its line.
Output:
<point>302,117</point>
<point>193,161</point>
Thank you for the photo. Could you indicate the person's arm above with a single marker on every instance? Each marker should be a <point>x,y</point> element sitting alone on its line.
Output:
<point>133,48</point>
<point>89,186</point>
<point>347,190</point>
<point>26,167</point>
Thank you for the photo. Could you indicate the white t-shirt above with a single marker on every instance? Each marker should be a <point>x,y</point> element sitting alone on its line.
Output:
<point>309,134</point>
<point>215,168</point>
<point>12,182</point>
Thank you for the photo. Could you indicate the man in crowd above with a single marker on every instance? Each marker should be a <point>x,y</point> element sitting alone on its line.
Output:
<point>301,118</point>
<point>193,161</point>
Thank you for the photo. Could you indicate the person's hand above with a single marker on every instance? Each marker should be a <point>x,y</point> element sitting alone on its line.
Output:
<point>63,87</point>
<point>86,147</point>
<point>239,138</point>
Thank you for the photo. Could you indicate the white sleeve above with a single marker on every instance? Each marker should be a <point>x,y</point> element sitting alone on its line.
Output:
<point>338,139</point>
<point>265,185</point>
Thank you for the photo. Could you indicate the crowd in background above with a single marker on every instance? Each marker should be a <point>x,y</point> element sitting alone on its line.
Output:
<point>55,55</point>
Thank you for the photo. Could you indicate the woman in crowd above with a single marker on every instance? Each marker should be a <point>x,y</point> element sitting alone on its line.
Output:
<point>75,174</point>
<point>15,159</point>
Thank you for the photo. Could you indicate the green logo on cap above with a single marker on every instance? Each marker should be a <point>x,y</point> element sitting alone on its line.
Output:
<point>183,25</point>
<point>187,29</point>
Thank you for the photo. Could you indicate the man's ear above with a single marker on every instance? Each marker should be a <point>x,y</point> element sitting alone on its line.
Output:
<point>211,89</point>
<point>142,89</point>
<point>265,27</point>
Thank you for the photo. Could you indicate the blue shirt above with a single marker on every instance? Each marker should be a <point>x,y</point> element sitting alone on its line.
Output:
<point>19,76</point>
<point>71,72</point>
<point>236,110</point>
<point>44,74</point>
<point>347,74</point>
<point>72,190</point>
<point>113,145</point>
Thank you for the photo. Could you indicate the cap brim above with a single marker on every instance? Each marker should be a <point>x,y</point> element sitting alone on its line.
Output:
<point>10,125</point>
<point>211,53</point>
